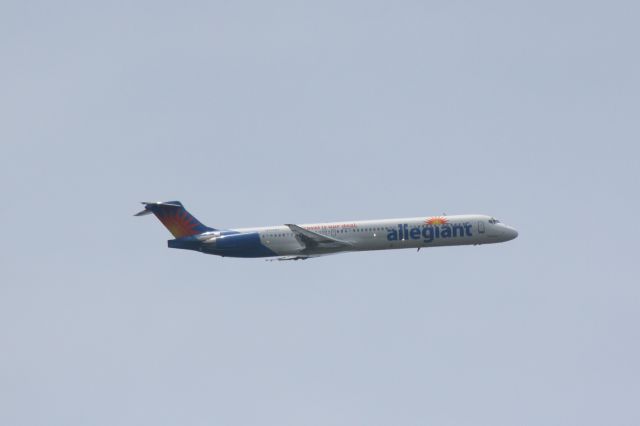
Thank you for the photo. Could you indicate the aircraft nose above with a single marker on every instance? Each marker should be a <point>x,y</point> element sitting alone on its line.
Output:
<point>511,233</point>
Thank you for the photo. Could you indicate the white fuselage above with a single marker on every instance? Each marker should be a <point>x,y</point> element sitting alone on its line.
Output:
<point>387,234</point>
<point>294,242</point>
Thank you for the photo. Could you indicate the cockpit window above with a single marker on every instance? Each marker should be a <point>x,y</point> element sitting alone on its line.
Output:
<point>493,220</point>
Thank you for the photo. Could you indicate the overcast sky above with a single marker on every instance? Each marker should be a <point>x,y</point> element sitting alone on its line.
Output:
<point>264,113</point>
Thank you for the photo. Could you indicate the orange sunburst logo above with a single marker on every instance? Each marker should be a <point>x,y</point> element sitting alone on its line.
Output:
<point>437,220</point>
<point>178,223</point>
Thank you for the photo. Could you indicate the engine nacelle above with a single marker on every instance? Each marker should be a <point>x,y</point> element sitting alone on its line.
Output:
<point>246,244</point>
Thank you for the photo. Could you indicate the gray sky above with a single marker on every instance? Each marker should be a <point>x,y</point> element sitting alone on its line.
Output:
<point>264,113</point>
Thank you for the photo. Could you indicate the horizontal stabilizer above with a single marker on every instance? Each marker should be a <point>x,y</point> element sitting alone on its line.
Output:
<point>175,218</point>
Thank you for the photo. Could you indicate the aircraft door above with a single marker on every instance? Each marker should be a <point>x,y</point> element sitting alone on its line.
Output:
<point>481,227</point>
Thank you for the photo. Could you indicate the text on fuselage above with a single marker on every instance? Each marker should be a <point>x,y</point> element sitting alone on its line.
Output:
<point>429,232</point>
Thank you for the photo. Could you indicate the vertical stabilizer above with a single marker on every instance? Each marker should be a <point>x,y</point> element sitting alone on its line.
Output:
<point>175,218</point>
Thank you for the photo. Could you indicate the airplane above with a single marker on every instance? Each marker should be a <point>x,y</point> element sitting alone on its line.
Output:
<point>299,242</point>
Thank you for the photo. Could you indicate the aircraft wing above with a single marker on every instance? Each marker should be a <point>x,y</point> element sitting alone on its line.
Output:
<point>313,240</point>
<point>299,257</point>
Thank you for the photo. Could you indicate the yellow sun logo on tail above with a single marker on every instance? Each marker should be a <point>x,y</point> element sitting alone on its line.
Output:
<point>437,220</point>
